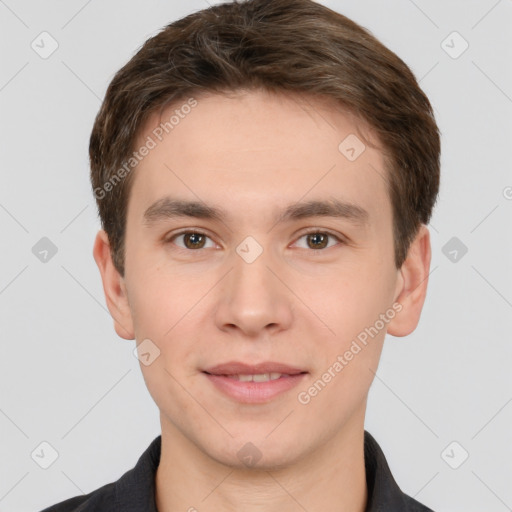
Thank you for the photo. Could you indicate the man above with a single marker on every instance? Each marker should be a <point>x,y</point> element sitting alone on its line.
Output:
<point>264,173</point>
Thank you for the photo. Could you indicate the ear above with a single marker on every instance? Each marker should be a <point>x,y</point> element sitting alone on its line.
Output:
<point>412,285</point>
<point>113,287</point>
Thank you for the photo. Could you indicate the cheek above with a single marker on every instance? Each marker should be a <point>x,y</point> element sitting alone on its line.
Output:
<point>169,390</point>
<point>165,310</point>
<point>346,368</point>
<point>160,301</point>
<point>354,300</point>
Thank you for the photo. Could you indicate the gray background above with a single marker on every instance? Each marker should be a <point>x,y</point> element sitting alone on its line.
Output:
<point>67,379</point>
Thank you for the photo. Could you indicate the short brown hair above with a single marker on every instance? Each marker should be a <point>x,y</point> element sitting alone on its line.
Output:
<point>280,46</point>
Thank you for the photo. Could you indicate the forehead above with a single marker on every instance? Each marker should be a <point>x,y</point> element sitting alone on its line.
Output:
<point>254,146</point>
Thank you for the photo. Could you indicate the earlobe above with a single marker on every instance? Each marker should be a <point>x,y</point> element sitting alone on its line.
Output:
<point>114,287</point>
<point>412,285</point>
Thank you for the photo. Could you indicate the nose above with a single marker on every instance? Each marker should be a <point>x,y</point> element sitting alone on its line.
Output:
<point>253,297</point>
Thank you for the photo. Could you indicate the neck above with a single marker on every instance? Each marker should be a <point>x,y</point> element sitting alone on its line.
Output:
<point>331,478</point>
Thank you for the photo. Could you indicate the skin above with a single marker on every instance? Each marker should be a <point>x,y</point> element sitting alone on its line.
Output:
<point>253,153</point>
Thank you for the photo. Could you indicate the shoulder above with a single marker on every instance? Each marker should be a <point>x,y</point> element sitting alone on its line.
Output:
<point>135,486</point>
<point>101,499</point>
<point>384,494</point>
<point>414,506</point>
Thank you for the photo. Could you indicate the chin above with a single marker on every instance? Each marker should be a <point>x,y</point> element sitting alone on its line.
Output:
<point>257,454</point>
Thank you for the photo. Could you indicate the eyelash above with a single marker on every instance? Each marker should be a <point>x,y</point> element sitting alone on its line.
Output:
<point>308,232</point>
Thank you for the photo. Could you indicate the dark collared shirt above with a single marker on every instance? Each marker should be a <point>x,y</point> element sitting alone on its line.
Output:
<point>135,490</point>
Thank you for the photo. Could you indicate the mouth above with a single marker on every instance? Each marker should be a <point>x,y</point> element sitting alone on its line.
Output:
<point>256,377</point>
<point>249,383</point>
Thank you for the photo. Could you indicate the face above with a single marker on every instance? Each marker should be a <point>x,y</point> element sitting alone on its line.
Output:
<point>287,257</point>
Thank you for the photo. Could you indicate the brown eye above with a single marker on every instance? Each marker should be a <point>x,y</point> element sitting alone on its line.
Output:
<point>192,240</point>
<point>318,240</point>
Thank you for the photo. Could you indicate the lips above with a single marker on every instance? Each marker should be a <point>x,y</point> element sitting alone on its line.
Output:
<point>254,388</point>
<point>254,383</point>
<point>234,368</point>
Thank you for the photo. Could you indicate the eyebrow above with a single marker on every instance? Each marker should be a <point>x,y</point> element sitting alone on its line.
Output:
<point>169,208</point>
